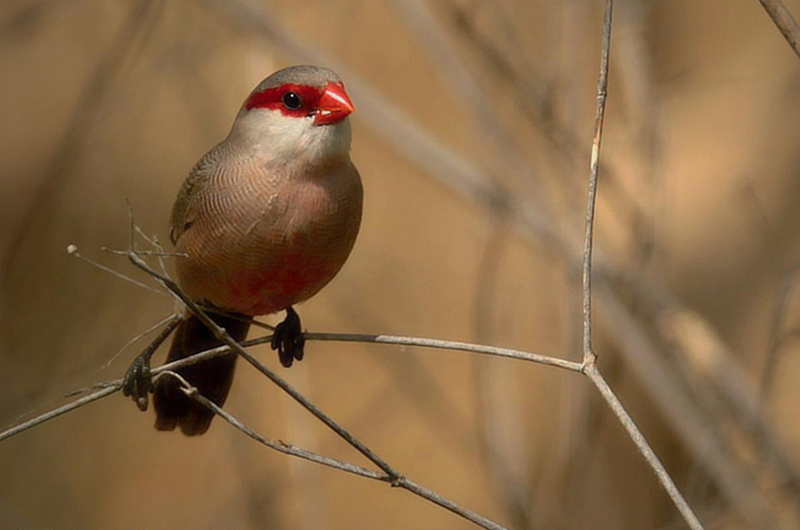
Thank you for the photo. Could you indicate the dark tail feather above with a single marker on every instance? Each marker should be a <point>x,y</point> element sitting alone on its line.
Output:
<point>212,377</point>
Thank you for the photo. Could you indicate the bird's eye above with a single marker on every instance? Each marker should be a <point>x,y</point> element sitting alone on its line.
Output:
<point>292,101</point>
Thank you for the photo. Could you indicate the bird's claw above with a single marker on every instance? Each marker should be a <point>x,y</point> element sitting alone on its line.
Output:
<point>138,381</point>
<point>288,339</point>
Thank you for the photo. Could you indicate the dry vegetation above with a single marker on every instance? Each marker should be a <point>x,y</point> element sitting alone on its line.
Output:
<point>473,135</point>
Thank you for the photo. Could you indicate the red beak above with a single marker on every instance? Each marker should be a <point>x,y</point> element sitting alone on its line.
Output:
<point>334,105</point>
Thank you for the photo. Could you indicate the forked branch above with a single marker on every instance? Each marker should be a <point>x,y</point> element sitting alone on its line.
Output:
<point>590,368</point>
<point>387,473</point>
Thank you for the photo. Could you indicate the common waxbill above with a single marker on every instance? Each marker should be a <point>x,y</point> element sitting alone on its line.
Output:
<point>266,219</point>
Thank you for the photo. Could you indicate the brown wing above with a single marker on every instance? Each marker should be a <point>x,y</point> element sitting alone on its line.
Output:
<point>183,210</point>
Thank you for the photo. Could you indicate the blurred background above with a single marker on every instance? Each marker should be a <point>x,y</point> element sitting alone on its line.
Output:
<point>472,134</point>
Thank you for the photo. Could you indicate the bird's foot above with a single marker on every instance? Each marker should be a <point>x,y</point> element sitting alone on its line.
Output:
<point>288,339</point>
<point>138,381</point>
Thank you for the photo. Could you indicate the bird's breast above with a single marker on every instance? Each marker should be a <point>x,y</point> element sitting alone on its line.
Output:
<point>262,242</point>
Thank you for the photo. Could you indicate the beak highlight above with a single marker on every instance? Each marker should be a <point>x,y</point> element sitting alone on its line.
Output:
<point>334,105</point>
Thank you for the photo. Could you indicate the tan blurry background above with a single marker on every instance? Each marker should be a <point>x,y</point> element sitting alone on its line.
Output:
<point>697,237</point>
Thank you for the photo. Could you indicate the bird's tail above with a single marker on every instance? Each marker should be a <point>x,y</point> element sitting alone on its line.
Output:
<point>212,377</point>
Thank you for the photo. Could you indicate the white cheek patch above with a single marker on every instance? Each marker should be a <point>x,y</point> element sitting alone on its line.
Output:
<point>292,139</point>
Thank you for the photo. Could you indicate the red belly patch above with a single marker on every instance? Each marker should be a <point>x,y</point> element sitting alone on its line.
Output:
<point>281,285</point>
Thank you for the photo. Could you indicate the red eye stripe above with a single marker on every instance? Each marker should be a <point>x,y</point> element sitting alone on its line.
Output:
<point>272,98</point>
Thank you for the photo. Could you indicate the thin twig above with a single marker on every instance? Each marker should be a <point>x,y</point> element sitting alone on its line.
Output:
<point>589,356</point>
<point>449,345</point>
<point>534,101</point>
<point>72,250</point>
<point>784,21</point>
<point>644,448</point>
<point>468,180</point>
<point>698,430</point>
<point>109,387</point>
<point>147,353</point>
<point>396,481</point>
<point>589,333</point>
<point>396,478</point>
<point>279,446</point>
<point>78,403</point>
<point>160,253</point>
<point>337,337</point>
<point>137,338</point>
<point>401,482</point>
<point>222,335</point>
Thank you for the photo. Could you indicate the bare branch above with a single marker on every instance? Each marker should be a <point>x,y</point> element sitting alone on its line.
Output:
<point>467,180</point>
<point>589,356</point>
<point>137,337</point>
<point>279,446</point>
<point>396,479</point>
<point>699,431</point>
<point>784,21</point>
<point>644,448</point>
<point>109,387</point>
<point>159,253</point>
<point>336,337</point>
<point>449,345</point>
<point>38,420</point>
<point>224,337</point>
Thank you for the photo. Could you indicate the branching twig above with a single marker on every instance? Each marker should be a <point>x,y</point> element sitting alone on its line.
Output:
<point>393,476</point>
<point>466,179</point>
<point>138,337</point>
<point>397,479</point>
<point>589,355</point>
<point>223,336</point>
<point>470,182</point>
<point>72,250</point>
<point>341,337</point>
<point>109,387</point>
<point>279,446</point>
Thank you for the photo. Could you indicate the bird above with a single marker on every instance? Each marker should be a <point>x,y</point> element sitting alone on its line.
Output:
<point>263,221</point>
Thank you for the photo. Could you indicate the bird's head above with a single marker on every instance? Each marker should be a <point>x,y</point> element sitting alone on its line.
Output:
<point>298,113</point>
